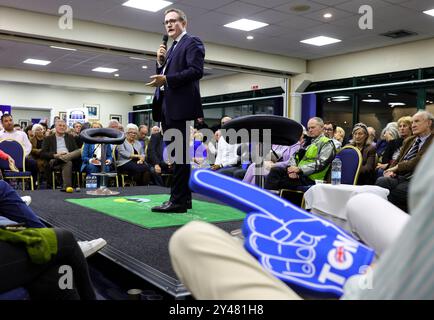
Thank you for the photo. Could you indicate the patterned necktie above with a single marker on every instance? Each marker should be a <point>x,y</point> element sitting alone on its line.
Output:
<point>413,150</point>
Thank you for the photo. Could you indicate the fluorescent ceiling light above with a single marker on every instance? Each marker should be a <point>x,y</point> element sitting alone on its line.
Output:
<point>246,25</point>
<point>147,5</point>
<point>341,97</point>
<point>37,62</point>
<point>116,74</point>
<point>105,70</point>
<point>371,100</point>
<point>327,15</point>
<point>250,38</point>
<point>429,12</point>
<point>135,58</point>
<point>144,67</point>
<point>394,104</point>
<point>320,41</point>
<point>63,48</point>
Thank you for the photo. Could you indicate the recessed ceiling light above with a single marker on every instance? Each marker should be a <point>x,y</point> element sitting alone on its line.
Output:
<point>246,25</point>
<point>116,75</point>
<point>144,67</point>
<point>63,48</point>
<point>327,15</point>
<point>320,41</point>
<point>152,6</point>
<point>250,38</point>
<point>37,62</point>
<point>341,97</point>
<point>371,100</point>
<point>429,12</point>
<point>105,70</point>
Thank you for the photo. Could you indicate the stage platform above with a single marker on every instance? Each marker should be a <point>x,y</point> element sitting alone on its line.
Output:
<point>144,252</point>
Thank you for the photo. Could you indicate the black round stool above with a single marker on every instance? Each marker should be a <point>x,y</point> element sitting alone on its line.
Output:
<point>103,136</point>
<point>284,132</point>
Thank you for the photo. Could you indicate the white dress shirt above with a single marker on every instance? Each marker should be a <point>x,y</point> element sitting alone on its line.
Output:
<point>20,136</point>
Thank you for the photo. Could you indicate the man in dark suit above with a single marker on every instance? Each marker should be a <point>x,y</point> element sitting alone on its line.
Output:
<point>397,178</point>
<point>60,149</point>
<point>177,99</point>
<point>155,159</point>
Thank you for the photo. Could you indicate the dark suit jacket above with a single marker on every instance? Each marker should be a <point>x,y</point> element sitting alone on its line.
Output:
<point>407,167</point>
<point>181,92</point>
<point>49,146</point>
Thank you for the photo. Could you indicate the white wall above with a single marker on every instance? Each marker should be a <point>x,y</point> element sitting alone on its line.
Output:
<point>237,83</point>
<point>26,114</point>
<point>413,55</point>
<point>23,95</point>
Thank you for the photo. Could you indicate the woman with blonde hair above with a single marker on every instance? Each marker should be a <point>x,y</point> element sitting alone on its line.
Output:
<point>340,134</point>
<point>362,142</point>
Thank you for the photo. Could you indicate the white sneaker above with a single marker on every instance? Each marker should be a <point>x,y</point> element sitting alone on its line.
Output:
<point>27,200</point>
<point>91,247</point>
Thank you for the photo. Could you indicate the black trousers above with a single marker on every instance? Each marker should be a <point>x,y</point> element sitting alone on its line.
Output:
<point>180,192</point>
<point>42,280</point>
<point>278,179</point>
<point>398,187</point>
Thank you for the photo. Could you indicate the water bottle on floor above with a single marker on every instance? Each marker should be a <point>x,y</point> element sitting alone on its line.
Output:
<point>336,171</point>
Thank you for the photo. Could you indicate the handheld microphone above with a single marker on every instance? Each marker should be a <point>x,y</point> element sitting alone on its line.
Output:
<point>165,38</point>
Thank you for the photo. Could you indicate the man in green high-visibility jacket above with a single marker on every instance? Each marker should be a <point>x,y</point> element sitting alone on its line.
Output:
<point>304,169</point>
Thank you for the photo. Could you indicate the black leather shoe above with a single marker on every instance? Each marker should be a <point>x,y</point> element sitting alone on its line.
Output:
<point>169,207</point>
<point>188,205</point>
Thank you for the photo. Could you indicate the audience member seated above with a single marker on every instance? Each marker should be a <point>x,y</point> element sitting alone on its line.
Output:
<point>340,135</point>
<point>18,135</point>
<point>155,129</point>
<point>60,150</point>
<point>113,124</point>
<point>75,132</point>
<point>278,157</point>
<point>131,157</point>
<point>200,123</point>
<point>198,152</point>
<point>91,156</point>
<point>36,141</point>
<point>227,158</point>
<point>391,152</point>
<point>362,142</point>
<point>397,178</point>
<point>10,160</point>
<point>155,159</point>
<point>26,261</point>
<point>330,131</point>
<point>372,139</point>
<point>214,265</point>
<point>32,259</point>
<point>305,166</point>
<point>143,137</point>
<point>29,132</point>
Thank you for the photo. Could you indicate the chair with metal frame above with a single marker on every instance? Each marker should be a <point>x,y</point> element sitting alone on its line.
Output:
<point>16,150</point>
<point>351,159</point>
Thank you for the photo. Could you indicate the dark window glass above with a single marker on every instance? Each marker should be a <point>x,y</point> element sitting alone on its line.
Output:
<point>338,109</point>
<point>429,103</point>
<point>378,109</point>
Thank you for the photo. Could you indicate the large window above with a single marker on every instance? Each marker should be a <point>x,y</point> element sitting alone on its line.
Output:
<point>430,100</point>
<point>338,109</point>
<point>378,109</point>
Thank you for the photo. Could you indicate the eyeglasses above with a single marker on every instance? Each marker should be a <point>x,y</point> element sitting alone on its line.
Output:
<point>171,21</point>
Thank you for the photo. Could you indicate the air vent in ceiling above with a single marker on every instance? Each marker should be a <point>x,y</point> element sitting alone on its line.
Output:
<point>399,34</point>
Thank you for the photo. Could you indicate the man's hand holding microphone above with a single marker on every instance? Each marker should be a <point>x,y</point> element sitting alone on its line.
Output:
<point>160,79</point>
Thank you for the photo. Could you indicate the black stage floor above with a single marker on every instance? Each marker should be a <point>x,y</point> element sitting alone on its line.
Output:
<point>141,251</point>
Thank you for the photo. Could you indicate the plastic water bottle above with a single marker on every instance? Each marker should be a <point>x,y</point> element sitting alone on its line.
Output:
<point>91,182</point>
<point>336,171</point>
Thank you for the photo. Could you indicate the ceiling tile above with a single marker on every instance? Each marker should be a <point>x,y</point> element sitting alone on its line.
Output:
<point>210,5</point>
<point>288,7</point>
<point>240,9</point>
<point>267,3</point>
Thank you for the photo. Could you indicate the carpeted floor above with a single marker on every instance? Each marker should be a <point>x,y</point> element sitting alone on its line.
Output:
<point>149,246</point>
<point>137,209</point>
